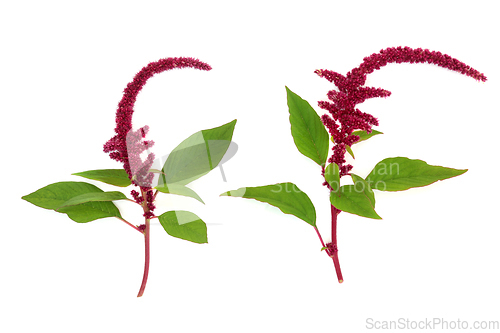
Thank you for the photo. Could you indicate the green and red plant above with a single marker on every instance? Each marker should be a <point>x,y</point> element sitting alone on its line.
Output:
<point>347,125</point>
<point>192,158</point>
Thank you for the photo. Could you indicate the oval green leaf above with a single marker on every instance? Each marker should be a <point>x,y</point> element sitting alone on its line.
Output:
<point>197,155</point>
<point>285,196</point>
<point>53,196</point>
<point>352,200</point>
<point>91,211</point>
<point>349,150</point>
<point>364,135</point>
<point>362,186</point>
<point>332,176</point>
<point>179,190</point>
<point>94,196</point>
<point>117,177</point>
<point>402,173</point>
<point>184,225</point>
<point>308,132</point>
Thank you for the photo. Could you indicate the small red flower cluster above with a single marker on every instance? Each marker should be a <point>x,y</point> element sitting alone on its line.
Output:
<point>127,145</point>
<point>135,146</point>
<point>344,117</point>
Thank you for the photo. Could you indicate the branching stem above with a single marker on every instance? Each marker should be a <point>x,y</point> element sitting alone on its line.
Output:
<point>130,224</point>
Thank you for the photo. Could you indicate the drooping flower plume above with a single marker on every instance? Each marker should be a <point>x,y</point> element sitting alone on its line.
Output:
<point>127,145</point>
<point>344,117</point>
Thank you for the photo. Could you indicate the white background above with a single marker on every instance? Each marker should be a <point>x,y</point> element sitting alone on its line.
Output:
<point>434,255</point>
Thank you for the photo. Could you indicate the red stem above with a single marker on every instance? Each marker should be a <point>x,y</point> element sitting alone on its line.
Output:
<point>146,245</point>
<point>334,251</point>
<point>146,260</point>
<point>334,224</point>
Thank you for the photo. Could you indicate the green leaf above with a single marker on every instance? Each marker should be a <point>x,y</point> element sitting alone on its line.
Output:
<point>332,176</point>
<point>285,196</point>
<point>117,177</point>
<point>361,185</point>
<point>364,135</point>
<point>90,211</point>
<point>352,200</point>
<point>197,155</point>
<point>179,190</point>
<point>185,225</point>
<point>53,196</point>
<point>402,173</point>
<point>94,196</point>
<point>309,133</point>
<point>349,150</point>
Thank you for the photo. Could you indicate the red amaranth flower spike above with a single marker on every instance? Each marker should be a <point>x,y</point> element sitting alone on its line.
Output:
<point>350,93</point>
<point>357,76</point>
<point>117,145</point>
